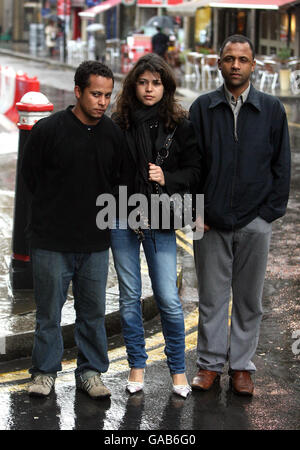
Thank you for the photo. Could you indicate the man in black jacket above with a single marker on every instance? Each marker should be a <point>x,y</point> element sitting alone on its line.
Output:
<point>160,43</point>
<point>70,158</point>
<point>244,142</point>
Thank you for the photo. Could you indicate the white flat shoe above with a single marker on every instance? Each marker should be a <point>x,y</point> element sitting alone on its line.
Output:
<point>182,389</point>
<point>134,386</point>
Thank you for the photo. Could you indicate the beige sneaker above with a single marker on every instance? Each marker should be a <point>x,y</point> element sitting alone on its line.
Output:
<point>93,386</point>
<point>41,385</point>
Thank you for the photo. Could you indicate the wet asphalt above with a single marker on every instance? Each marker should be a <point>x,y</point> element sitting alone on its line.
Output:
<point>276,403</point>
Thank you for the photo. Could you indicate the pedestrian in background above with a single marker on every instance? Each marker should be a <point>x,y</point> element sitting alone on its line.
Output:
<point>69,159</point>
<point>100,44</point>
<point>51,34</point>
<point>244,143</point>
<point>147,113</point>
<point>160,43</point>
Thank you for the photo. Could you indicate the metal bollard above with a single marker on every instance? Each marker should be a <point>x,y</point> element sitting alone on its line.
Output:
<point>32,107</point>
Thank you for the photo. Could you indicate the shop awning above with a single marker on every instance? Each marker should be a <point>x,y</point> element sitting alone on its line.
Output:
<point>159,3</point>
<point>188,8</point>
<point>249,4</point>
<point>104,6</point>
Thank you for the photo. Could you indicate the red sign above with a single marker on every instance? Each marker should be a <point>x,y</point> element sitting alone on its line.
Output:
<point>63,8</point>
<point>156,3</point>
<point>150,2</point>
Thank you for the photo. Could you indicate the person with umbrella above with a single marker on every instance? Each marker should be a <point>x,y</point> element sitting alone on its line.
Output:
<point>100,40</point>
<point>51,32</point>
<point>160,43</point>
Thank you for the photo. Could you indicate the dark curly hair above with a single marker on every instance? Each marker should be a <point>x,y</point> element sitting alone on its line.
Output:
<point>87,68</point>
<point>170,111</point>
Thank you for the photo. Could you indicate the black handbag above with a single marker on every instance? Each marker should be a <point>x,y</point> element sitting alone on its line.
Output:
<point>172,211</point>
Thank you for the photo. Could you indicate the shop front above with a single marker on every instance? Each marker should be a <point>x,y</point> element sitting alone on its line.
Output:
<point>271,24</point>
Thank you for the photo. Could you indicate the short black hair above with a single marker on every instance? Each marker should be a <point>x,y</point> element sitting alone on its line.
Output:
<point>238,38</point>
<point>87,68</point>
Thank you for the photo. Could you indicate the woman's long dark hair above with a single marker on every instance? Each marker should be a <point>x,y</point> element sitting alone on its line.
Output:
<point>170,112</point>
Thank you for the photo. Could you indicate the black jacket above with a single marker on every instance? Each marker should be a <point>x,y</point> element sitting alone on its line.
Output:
<point>181,169</point>
<point>66,167</point>
<point>245,177</point>
<point>160,43</point>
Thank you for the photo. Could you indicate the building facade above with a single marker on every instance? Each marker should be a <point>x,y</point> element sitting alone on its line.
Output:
<point>271,25</point>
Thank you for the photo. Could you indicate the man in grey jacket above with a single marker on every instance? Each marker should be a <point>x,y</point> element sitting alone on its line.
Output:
<point>244,142</point>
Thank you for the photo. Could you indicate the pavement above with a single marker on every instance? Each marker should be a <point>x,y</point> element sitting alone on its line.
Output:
<point>17,309</point>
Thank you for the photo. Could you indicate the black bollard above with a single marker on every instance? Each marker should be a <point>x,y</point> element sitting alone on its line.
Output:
<point>32,107</point>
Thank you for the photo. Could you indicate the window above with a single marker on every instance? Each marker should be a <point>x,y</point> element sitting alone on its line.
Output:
<point>264,24</point>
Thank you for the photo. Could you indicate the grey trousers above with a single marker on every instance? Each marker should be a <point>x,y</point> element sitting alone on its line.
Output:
<point>231,262</point>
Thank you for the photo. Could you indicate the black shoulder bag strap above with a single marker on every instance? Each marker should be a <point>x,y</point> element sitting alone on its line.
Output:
<point>164,152</point>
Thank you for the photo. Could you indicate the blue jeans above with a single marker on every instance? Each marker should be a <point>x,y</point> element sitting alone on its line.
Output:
<point>161,260</point>
<point>52,274</point>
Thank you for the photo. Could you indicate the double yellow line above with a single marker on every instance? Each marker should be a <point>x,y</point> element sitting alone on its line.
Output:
<point>19,380</point>
<point>293,124</point>
<point>184,242</point>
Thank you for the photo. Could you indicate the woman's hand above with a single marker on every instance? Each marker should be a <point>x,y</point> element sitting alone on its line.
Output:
<point>201,226</point>
<point>156,174</point>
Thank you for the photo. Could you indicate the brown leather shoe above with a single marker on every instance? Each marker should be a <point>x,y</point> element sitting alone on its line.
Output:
<point>242,383</point>
<point>204,379</point>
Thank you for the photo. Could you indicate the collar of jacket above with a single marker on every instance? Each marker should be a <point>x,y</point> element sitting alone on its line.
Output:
<point>218,96</point>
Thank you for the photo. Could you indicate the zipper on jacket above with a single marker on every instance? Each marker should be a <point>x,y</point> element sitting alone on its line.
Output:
<point>236,140</point>
<point>235,119</point>
<point>234,173</point>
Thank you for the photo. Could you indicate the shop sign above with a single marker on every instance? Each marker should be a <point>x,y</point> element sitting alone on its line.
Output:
<point>63,8</point>
<point>153,3</point>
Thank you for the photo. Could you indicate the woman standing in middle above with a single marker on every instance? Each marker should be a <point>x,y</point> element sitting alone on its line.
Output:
<point>147,112</point>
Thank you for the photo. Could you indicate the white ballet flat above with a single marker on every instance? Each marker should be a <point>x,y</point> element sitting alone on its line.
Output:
<point>134,386</point>
<point>182,389</point>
